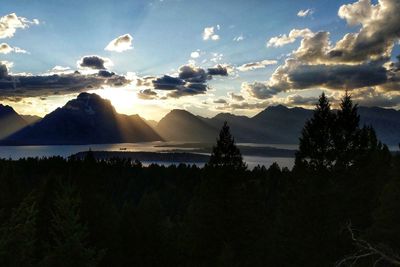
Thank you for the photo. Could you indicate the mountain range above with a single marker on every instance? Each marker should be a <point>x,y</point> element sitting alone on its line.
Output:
<point>89,119</point>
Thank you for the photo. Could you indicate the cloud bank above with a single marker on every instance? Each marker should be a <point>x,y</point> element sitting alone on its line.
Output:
<point>19,86</point>
<point>189,81</point>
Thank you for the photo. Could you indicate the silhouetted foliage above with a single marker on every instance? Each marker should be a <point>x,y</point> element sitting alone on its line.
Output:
<point>69,235</point>
<point>18,235</point>
<point>346,133</point>
<point>226,153</point>
<point>88,212</point>
<point>316,147</point>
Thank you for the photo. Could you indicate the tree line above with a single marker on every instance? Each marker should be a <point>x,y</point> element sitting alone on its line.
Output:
<point>338,206</point>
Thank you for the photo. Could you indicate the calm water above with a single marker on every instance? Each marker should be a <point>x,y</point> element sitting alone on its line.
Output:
<point>16,152</point>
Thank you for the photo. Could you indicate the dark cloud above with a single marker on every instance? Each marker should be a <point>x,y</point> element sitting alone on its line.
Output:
<point>147,94</point>
<point>190,81</point>
<point>295,75</point>
<point>189,89</point>
<point>218,70</point>
<point>167,82</point>
<point>145,81</point>
<point>259,90</point>
<point>220,101</point>
<point>105,73</point>
<point>13,86</point>
<point>93,62</point>
<point>371,97</point>
<point>337,76</point>
<point>236,97</point>
<point>193,74</point>
<point>298,100</point>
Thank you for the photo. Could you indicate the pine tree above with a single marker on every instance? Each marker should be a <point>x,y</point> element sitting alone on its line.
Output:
<point>69,247</point>
<point>346,133</point>
<point>226,153</point>
<point>316,148</point>
<point>18,235</point>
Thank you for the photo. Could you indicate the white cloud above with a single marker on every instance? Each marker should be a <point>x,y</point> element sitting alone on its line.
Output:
<point>6,48</point>
<point>11,22</point>
<point>284,39</point>
<point>256,65</point>
<point>215,37</point>
<point>216,57</point>
<point>195,54</point>
<point>209,33</point>
<point>59,70</point>
<point>120,44</point>
<point>238,38</point>
<point>379,32</point>
<point>305,13</point>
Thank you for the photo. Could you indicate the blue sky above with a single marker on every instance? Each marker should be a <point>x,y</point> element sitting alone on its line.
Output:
<point>165,33</point>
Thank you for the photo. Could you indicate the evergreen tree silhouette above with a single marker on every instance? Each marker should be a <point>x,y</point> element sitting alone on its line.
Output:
<point>346,132</point>
<point>69,234</point>
<point>226,153</point>
<point>316,148</point>
<point>18,235</point>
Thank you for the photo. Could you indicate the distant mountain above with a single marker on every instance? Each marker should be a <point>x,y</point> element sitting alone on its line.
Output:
<point>10,121</point>
<point>31,119</point>
<point>181,125</point>
<point>386,123</point>
<point>88,119</point>
<point>275,124</point>
<point>281,124</point>
<point>242,127</point>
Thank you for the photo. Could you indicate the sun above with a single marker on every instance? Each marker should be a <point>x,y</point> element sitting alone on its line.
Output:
<point>124,100</point>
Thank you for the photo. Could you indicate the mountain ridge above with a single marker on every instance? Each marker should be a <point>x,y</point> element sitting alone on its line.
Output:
<point>10,121</point>
<point>91,119</point>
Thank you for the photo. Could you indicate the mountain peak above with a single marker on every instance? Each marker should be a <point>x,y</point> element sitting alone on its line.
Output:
<point>277,107</point>
<point>5,109</point>
<point>179,111</point>
<point>181,125</point>
<point>10,121</point>
<point>86,96</point>
<point>90,104</point>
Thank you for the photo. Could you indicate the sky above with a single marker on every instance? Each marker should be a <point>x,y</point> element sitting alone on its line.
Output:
<point>150,56</point>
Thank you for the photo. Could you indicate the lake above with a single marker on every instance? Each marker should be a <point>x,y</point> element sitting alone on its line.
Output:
<point>17,152</point>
